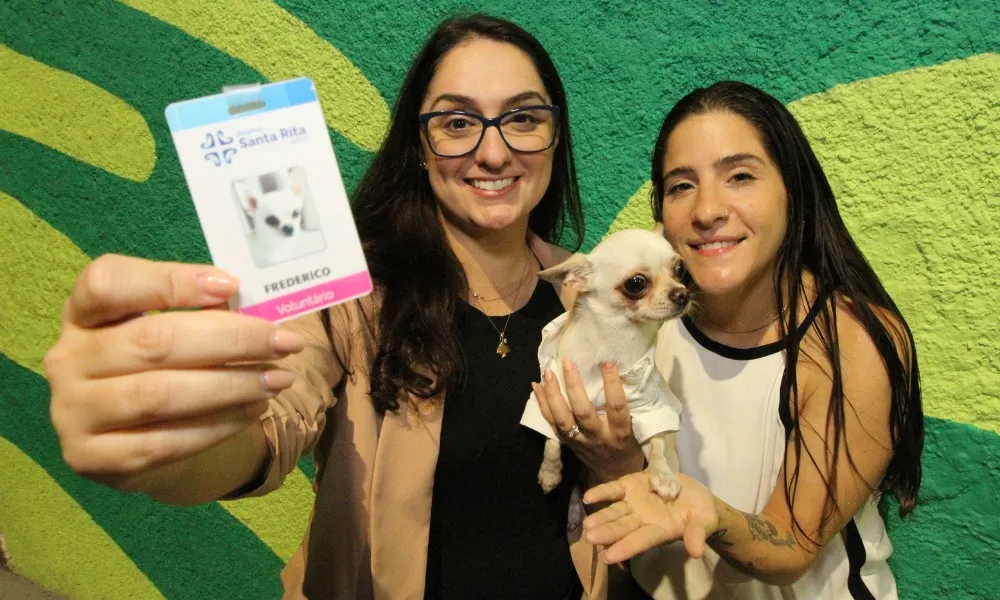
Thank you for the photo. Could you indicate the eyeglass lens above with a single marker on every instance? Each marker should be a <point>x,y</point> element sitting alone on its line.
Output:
<point>529,130</point>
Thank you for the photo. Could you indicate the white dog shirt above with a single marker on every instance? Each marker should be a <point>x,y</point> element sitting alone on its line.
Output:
<point>653,407</point>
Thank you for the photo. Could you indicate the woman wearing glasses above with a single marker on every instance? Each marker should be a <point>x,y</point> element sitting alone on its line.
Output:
<point>456,213</point>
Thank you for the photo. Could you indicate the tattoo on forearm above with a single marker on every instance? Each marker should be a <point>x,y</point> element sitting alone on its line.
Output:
<point>765,531</point>
<point>761,530</point>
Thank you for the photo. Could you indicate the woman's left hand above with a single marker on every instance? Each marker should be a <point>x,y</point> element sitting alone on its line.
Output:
<point>604,443</point>
<point>639,519</point>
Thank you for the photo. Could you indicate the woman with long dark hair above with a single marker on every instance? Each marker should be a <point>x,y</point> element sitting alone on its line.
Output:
<point>797,373</point>
<point>458,211</point>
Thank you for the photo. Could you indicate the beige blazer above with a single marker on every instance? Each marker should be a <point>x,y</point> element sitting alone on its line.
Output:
<point>369,527</point>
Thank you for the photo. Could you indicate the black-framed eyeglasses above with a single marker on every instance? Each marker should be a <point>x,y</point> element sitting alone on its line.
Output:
<point>454,133</point>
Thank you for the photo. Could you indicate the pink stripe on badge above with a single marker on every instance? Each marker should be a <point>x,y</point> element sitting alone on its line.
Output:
<point>312,299</point>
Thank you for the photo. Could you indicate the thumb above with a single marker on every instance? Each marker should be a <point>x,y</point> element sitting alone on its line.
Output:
<point>694,538</point>
<point>113,287</point>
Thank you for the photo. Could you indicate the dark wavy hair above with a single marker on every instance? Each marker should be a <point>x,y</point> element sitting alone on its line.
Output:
<point>418,278</point>
<point>818,241</point>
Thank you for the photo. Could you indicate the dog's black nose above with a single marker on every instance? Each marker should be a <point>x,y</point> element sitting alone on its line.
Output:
<point>679,297</point>
<point>287,229</point>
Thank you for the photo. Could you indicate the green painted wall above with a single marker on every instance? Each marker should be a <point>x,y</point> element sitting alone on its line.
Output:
<point>901,100</point>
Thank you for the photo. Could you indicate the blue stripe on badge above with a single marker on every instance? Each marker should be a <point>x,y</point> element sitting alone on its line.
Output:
<point>214,109</point>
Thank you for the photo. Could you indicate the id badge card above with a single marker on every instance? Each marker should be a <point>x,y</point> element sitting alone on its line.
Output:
<point>267,190</point>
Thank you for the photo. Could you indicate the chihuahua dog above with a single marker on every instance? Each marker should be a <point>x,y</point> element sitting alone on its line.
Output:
<point>275,217</point>
<point>626,287</point>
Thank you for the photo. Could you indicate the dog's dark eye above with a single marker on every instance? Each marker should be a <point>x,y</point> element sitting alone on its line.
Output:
<point>679,270</point>
<point>295,214</point>
<point>635,286</point>
<point>272,221</point>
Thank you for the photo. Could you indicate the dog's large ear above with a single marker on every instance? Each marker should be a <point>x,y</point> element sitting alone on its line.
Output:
<point>248,198</point>
<point>297,181</point>
<point>576,271</point>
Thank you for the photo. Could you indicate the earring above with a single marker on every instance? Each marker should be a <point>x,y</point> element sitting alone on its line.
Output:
<point>423,165</point>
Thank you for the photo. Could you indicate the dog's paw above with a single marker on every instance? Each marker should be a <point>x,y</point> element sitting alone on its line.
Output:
<point>664,484</point>
<point>549,479</point>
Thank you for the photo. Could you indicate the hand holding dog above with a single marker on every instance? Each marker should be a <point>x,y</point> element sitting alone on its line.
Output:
<point>134,390</point>
<point>639,519</point>
<point>605,443</point>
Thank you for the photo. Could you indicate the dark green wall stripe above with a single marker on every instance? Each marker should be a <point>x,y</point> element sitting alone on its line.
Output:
<point>948,547</point>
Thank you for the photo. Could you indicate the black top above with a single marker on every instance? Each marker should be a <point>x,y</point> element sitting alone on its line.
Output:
<point>493,533</point>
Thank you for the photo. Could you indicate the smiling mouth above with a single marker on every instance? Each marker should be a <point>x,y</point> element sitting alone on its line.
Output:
<point>492,185</point>
<point>715,245</point>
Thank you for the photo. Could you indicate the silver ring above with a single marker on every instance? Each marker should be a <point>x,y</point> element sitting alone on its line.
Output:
<point>572,433</point>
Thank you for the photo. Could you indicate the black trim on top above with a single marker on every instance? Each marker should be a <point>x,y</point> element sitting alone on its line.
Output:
<point>733,353</point>
<point>856,557</point>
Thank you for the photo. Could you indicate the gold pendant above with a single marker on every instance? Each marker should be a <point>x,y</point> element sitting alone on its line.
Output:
<point>502,348</point>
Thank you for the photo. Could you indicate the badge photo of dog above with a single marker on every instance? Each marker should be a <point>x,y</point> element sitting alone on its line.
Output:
<point>627,287</point>
<point>278,217</point>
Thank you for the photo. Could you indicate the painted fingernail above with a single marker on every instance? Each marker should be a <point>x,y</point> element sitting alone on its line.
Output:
<point>535,387</point>
<point>276,379</point>
<point>217,286</point>
<point>607,365</point>
<point>285,342</point>
<point>568,365</point>
<point>549,375</point>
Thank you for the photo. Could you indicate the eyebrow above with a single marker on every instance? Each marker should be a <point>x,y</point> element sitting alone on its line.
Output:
<point>725,161</point>
<point>468,102</point>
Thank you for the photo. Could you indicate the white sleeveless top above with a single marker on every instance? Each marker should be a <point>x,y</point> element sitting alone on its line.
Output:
<point>732,439</point>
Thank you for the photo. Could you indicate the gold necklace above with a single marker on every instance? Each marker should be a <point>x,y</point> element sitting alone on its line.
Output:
<point>480,297</point>
<point>778,314</point>
<point>503,348</point>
